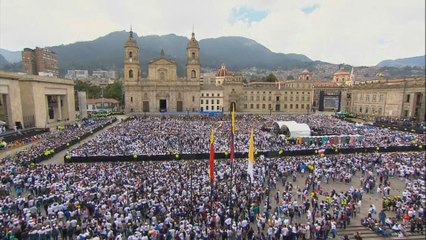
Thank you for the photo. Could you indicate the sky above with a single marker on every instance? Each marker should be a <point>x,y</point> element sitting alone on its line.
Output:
<point>355,32</point>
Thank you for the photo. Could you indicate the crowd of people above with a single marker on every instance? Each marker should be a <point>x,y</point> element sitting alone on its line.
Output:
<point>55,138</point>
<point>177,200</point>
<point>162,135</point>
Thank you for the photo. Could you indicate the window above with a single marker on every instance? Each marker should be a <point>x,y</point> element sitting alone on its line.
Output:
<point>302,106</point>
<point>251,98</point>
<point>366,109</point>
<point>297,106</point>
<point>381,98</point>
<point>407,99</point>
<point>202,101</point>
<point>130,73</point>
<point>131,99</point>
<point>193,55</point>
<point>285,99</point>
<point>130,54</point>
<point>218,101</point>
<point>291,106</point>
<point>263,106</point>
<point>207,107</point>
<point>217,108</point>
<point>207,101</point>
<point>207,94</point>
<point>269,98</point>
<point>162,76</point>
<point>218,94</point>
<point>269,106</point>
<point>202,94</point>
<point>303,98</point>
<point>202,109</point>
<point>278,98</point>
<point>291,98</point>
<point>257,98</point>
<point>193,74</point>
<point>360,109</point>
<point>257,106</point>
<point>367,98</point>
<point>193,99</point>
<point>297,98</point>
<point>285,106</point>
<point>251,106</point>
<point>245,106</point>
<point>374,98</point>
<point>264,98</point>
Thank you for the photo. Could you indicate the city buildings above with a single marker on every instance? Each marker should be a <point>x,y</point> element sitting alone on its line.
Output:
<point>164,91</point>
<point>40,61</point>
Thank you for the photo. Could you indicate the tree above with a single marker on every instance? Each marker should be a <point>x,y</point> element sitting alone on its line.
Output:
<point>92,91</point>
<point>115,91</point>
<point>290,77</point>
<point>271,78</point>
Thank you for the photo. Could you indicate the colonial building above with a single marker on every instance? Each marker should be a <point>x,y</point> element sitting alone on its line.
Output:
<point>35,101</point>
<point>162,90</point>
<point>400,98</point>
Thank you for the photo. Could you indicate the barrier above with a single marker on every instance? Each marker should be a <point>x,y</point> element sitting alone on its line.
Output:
<point>72,142</point>
<point>224,155</point>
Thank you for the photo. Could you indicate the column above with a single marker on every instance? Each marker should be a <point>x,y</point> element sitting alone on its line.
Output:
<point>58,100</point>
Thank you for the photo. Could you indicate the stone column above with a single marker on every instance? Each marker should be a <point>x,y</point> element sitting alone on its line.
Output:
<point>59,107</point>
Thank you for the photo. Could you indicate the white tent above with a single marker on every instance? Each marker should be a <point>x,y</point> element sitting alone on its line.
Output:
<point>293,129</point>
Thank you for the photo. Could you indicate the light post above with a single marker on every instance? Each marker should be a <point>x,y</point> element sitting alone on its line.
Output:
<point>102,98</point>
<point>270,111</point>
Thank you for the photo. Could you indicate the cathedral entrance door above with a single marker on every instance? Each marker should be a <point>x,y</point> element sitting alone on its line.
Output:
<point>163,105</point>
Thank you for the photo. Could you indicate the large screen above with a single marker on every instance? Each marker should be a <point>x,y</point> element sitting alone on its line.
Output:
<point>331,102</point>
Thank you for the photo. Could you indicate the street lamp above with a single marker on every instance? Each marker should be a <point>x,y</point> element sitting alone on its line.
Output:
<point>270,111</point>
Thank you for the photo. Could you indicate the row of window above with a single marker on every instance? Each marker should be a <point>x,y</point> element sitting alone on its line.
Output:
<point>286,92</point>
<point>212,108</point>
<point>290,106</point>
<point>366,109</point>
<point>208,95</point>
<point>212,101</point>
<point>369,97</point>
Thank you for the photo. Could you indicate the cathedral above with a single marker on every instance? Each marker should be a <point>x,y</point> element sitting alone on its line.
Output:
<point>162,90</point>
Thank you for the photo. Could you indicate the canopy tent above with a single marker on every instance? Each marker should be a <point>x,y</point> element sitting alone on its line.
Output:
<point>292,129</point>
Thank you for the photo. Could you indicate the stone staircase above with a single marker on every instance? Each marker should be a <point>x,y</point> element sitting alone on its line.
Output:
<point>366,233</point>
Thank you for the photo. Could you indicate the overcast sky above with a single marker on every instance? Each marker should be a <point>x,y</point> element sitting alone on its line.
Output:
<point>356,32</point>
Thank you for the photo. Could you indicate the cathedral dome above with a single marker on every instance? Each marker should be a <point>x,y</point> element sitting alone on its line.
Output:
<point>223,72</point>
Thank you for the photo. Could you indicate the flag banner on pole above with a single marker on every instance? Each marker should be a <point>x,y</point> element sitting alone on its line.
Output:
<point>251,157</point>
<point>211,162</point>
<point>231,150</point>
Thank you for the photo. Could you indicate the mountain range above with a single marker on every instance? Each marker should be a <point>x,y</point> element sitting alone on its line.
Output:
<point>107,53</point>
<point>402,62</point>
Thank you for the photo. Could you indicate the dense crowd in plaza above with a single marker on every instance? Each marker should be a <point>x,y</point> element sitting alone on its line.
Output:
<point>46,142</point>
<point>175,199</point>
<point>162,135</point>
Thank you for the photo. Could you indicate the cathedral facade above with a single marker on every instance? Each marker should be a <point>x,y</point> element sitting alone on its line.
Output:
<point>162,90</point>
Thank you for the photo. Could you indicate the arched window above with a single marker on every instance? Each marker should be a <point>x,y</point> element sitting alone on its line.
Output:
<point>193,55</point>
<point>130,54</point>
<point>193,74</point>
<point>130,73</point>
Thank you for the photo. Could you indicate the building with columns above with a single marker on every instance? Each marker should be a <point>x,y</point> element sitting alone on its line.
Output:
<point>162,90</point>
<point>398,98</point>
<point>35,101</point>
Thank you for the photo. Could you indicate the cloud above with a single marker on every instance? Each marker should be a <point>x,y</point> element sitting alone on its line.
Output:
<point>310,9</point>
<point>361,32</point>
<point>247,15</point>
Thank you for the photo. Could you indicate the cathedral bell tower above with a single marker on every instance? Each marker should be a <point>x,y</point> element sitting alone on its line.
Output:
<point>131,59</point>
<point>193,68</point>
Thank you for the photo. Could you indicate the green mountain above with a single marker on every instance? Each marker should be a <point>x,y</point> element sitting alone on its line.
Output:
<point>236,52</point>
<point>403,62</point>
<point>3,61</point>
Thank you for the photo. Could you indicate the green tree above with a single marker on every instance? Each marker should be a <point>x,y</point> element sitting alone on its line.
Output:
<point>92,91</point>
<point>290,77</point>
<point>115,91</point>
<point>271,78</point>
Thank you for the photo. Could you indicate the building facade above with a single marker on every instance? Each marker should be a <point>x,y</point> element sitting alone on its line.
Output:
<point>35,101</point>
<point>399,98</point>
<point>162,90</point>
<point>40,61</point>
